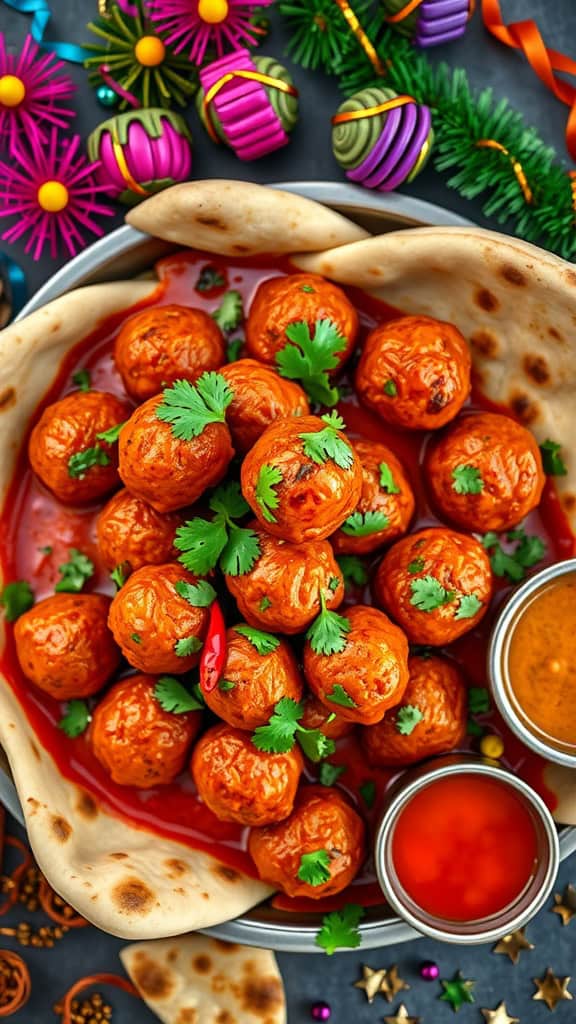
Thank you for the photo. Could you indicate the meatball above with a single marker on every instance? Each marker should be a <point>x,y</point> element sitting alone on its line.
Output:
<point>371,672</point>
<point>240,783</point>
<point>486,473</point>
<point>293,299</point>
<point>436,583</point>
<point>281,593</point>
<point>129,530</point>
<point>318,716</point>
<point>260,397</point>
<point>321,820</point>
<point>164,470</point>
<point>156,628</point>
<point>69,428</point>
<point>414,372</point>
<point>386,492</point>
<point>158,346</point>
<point>436,689</point>
<point>300,496</point>
<point>65,647</point>
<point>251,684</point>
<point>136,741</point>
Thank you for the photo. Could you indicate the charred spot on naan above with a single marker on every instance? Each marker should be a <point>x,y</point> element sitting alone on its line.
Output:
<point>176,868</point>
<point>513,275</point>
<point>524,408</point>
<point>201,963</point>
<point>151,978</point>
<point>537,369</point>
<point>485,343</point>
<point>260,996</point>
<point>86,807</point>
<point>131,896</point>
<point>35,751</point>
<point>7,398</point>
<point>486,300</point>
<point>555,333</point>
<point>61,830</point>
<point>222,871</point>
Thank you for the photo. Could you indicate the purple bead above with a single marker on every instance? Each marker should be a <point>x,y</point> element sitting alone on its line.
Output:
<point>321,1011</point>
<point>429,971</point>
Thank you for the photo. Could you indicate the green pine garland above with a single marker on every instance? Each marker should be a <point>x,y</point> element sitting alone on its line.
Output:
<point>460,117</point>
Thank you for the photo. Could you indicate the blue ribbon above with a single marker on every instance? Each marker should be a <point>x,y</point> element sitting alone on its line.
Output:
<point>41,16</point>
<point>17,290</point>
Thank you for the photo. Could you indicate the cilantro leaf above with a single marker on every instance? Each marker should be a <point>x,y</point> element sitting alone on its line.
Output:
<point>363,524</point>
<point>308,288</point>
<point>81,462</point>
<point>201,543</point>
<point>353,570</point>
<point>416,566</point>
<point>112,434</point>
<point>422,651</point>
<point>552,461</point>
<point>120,574</point>
<point>390,388</point>
<point>341,697</point>
<point>333,583</point>
<point>321,445</point>
<point>76,719</point>
<point>315,868</point>
<point>467,480</point>
<point>368,792</point>
<point>264,643</point>
<point>74,573</point>
<point>528,551</point>
<point>387,480</point>
<point>82,380</point>
<point>279,735</point>
<point>315,744</point>
<point>230,312</point>
<point>268,478</point>
<point>478,700</point>
<point>189,408</point>
<point>136,638</point>
<point>428,594</point>
<point>468,606</point>
<point>330,773</point>
<point>309,359</point>
<point>265,603</point>
<point>225,685</point>
<point>327,634</point>
<point>17,598</point>
<point>241,552</point>
<point>228,500</point>
<point>209,279</point>
<point>173,696</point>
<point>186,646</point>
<point>233,350</point>
<point>199,595</point>
<point>407,718</point>
<point>340,929</point>
<point>46,550</point>
<point>473,728</point>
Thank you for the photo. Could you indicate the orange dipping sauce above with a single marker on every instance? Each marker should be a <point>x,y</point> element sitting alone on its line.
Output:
<point>464,848</point>
<point>541,662</point>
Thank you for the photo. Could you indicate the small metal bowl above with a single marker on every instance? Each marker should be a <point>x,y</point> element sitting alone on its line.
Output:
<point>516,914</point>
<point>498,654</point>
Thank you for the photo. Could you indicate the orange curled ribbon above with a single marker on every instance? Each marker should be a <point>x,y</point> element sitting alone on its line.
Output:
<point>361,36</point>
<point>358,115</point>
<point>252,76</point>
<point>516,166</point>
<point>525,36</point>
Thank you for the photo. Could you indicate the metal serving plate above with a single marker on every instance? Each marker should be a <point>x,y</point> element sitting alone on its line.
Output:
<point>125,253</point>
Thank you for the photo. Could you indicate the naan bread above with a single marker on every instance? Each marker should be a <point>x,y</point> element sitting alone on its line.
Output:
<point>197,980</point>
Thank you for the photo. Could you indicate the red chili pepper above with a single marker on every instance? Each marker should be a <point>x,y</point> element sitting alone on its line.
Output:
<point>214,650</point>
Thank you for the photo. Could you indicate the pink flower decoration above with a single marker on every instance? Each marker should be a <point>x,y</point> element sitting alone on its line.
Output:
<point>50,188</point>
<point>31,93</point>
<point>198,24</point>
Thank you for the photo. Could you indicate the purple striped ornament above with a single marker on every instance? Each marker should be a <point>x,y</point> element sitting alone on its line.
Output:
<point>437,21</point>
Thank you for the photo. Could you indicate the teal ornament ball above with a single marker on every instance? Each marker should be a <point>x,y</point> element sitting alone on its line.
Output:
<point>107,97</point>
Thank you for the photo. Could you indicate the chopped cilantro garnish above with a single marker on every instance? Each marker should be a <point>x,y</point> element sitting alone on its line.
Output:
<point>46,550</point>
<point>309,359</point>
<point>368,792</point>
<point>265,603</point>
<point>225,685</point>
<point>74,573</point>
<point>513,562</point>
<point>189,408</point>
<point>279,735</point>
<point>474,728</point>
<point>186,646</point>
<point>363,524</point>
<point>209,279</point>
<point>467,480</point>
<point>315,868</point>
<point>422,651</point>
<point>120,574</point>
<point>173,696</point>
<point>390,388</point>
<point>552,461</point>
<point>341,697</point>
<point>340,929</point>
<point>387,480</point>
<point>233,349</point>
<point>136,638</point>
<point>230,312</point>
<point>468,606</point>
<point>16,598</point>
<point>428,594</point>
<point>321,445</point>
<point>327,634</point>
<point>330,773</point>
<point>268,479</point>
<point>353,570</point>
<point>199,595</point>
<point>112,434</point>
<point>416,566</point>
<point>478,700</point>
<point>76,719</point>
<point>82,380</point>
<point>333,583</point>
<point>307,288</point>
<point>204,543</point>
<point>264,643</point>
<point>407,718</point>
<point>81,462</point>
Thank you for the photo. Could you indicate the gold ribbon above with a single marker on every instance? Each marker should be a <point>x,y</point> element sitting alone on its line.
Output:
<point>124,169</point>
<point>361,36</point>
<point>516,166</point>
<point>103,8</point>
<point>413,5</point>
<point>252,76</point>
<point>358,115</point>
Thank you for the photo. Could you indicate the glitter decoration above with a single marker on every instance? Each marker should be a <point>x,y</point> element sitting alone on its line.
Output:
<point>551,990</point>
<point>139,60</point>
<point>429,22</point>
<point>52,192</point>
<point>32,93</point>
<point>201,26</point>
<point>321,1011</point>
<point>429,971</point>
<point>141,152</point>
<point>381,139</point>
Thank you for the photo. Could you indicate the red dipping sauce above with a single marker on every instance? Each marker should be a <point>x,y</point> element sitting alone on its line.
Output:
<point>465,847</point>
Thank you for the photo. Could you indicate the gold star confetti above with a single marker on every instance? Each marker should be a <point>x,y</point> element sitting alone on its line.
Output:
<point>370,982</point>
<point>392,984</point>
<point>402,1017</point>
<point>512,945</point>
<point>565,904</point>
<point>551,990</point>
<point>499,1016</point>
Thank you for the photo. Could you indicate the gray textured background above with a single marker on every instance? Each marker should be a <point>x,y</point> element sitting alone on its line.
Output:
<point>309,157</point>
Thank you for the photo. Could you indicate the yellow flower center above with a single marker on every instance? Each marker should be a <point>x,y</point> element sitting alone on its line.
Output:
<point>12,91</point>
<point>53,196</point>
<point>213,12</point>
<point>150,51</point>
